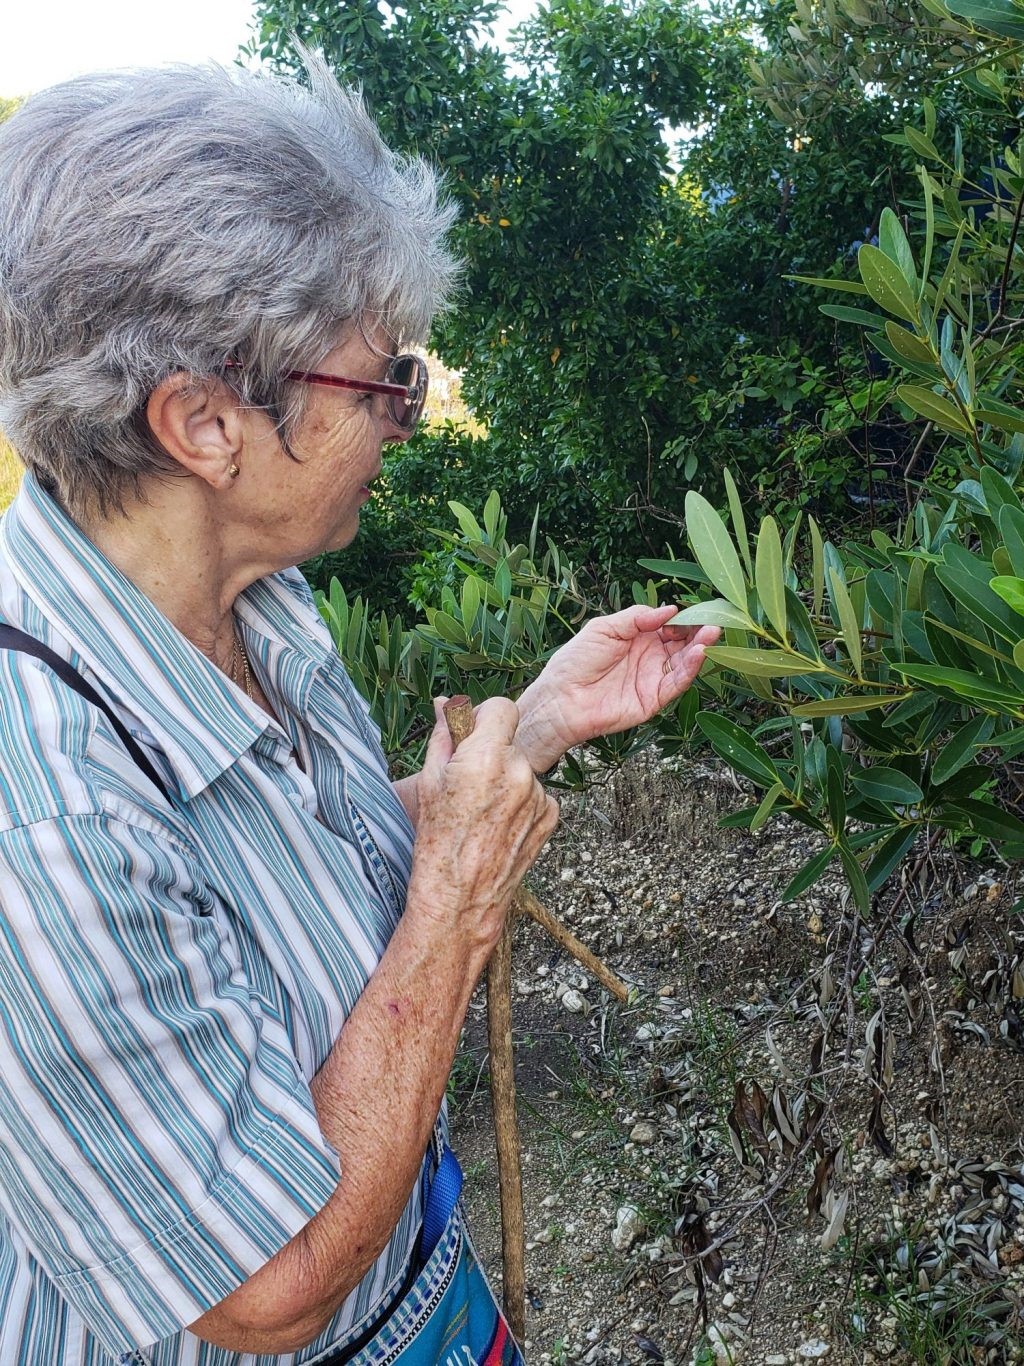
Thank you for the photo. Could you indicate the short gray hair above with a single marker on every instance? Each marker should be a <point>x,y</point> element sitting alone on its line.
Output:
<point>170,220</point>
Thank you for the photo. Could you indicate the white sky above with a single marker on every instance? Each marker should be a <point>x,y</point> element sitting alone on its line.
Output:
<point>44,43</point>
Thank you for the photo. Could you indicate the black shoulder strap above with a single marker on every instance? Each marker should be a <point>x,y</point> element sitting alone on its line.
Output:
<point>12,639</point>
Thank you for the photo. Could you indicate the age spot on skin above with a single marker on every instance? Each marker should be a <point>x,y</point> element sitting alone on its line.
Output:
<point>393,1008</point>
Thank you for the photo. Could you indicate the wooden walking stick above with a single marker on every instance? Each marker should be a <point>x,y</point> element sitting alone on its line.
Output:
<point>459,715</point>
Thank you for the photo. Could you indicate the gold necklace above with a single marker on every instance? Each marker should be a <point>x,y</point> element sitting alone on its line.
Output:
<point>238,648</point>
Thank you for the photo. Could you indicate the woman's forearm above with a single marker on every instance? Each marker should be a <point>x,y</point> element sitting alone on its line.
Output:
<point>377,1096</point>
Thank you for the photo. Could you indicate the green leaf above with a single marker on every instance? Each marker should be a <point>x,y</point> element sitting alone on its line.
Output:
<point>1003,422</point>
<point>892,240</point>
<point>886,283</point>
<point>817,566</point>
<point>855,876</point>
<point>959,749</point>
<point>471,598</point>
<point>846,286</point>
<point>1011,591</point>
<point>987,819</point>
<point>835,791</point>
<point>938,410</point>
<point>492,511</point>
<point>676,569</point>
<point>971,687</point>
<point>1011,528</point>
<point>762,663</point>
<point>887,785</point>
<point>713,548</point>
<point>843,604</point>
<point>468,523</point>
<point>1018,654</point>
<point>715,612</point>
<point>860,316</point>
<point>739,522</point>
<point>767,803</point>
<point>923,146</point>
<point>738,749</point>
<point>769,579</point>
<point>842,706</point>
<point>809,873</point>
<point>503,580</point>
<point>997,16</point>
<point>999,492</point>
<point>889,854</point>
<point>907,345</point>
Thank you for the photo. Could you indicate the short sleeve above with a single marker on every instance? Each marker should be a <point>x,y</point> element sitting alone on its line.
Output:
<point>158,1142</point>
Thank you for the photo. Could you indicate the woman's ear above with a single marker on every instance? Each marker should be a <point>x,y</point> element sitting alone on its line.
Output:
<point>200,424</point>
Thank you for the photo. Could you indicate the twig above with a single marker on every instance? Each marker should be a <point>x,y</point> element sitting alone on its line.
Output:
<point>459,715</point>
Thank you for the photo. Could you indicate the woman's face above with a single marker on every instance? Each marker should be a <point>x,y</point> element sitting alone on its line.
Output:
<point>315,503</point>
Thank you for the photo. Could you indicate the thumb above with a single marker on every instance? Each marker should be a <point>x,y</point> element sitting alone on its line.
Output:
<point>440,746</point>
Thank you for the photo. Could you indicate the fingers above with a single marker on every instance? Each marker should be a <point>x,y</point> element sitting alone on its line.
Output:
<point>496,719</point>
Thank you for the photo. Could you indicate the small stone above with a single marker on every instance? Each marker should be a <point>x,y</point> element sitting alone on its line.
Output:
<point>729,1301</point>
<point>568,875</point>
<point>573,1001</point>
<point>544,1236</point>
<point>776,1359</point>
<point>814,1350</point>
<point>549,1201</point>
<point>642,1132</point>
<point>629,1224</point>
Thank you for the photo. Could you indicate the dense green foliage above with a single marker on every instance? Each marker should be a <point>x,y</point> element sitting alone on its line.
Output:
<point>626,330</point>
<point>630,332</point>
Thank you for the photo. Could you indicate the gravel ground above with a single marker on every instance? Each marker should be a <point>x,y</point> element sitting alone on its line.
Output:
<point>856,1152</point>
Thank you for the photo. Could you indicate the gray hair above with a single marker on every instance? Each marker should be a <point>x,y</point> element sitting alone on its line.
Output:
<point>154,222</point>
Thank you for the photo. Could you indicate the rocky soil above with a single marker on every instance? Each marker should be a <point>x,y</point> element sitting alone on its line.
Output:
<point>801,1141</point>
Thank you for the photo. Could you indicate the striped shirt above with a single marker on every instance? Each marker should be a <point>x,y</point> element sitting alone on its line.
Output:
<point>173,973</point>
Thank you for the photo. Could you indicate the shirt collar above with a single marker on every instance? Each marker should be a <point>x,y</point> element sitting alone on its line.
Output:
<point>142,660</point>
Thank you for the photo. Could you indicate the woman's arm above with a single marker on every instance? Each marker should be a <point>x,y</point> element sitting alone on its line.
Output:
<point>483,818</point>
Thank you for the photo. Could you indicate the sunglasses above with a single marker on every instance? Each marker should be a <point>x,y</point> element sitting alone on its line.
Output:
<point>404,387</point>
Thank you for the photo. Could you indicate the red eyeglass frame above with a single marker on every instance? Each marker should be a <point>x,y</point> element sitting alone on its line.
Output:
<point>415,395</point>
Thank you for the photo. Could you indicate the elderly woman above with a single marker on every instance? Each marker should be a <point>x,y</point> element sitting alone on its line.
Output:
<point>234,957</point>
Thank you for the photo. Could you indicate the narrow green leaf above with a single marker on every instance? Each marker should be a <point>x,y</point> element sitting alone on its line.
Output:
<point>767,803</point>
<point>769,579</point>
<point>843,706</point>
<point>492,511</point>
<point>923,146</point>
<point>972,687</point>
<point>503,580</point>
<point>883,784</point>
<point>886,283</point>
<point>716,612</point>
<point>713,548</point>
<point>1003,422</point>
<point>892,240</point>
<point>738,749</point>
<point>938,410</point>
<point>1018,654</point>
<point>468,523</point>
<point>988,819</point>
<point>843,604</point>
<point>686,570</point>
<point>859,316</point>
<point>762,663</point>
<point>845,286</point>
<point>910,347</point>
<point>1011,528</point>
<point>809,873</point>
<point>817,567</point>
<point>835,791</point>
<point>739,521</point>
<point>959,750</point>
<point>855,876</point>
<point>889,854</point>
<point>470,601</point>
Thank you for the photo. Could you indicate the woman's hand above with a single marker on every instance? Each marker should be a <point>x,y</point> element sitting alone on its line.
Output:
<point>619,671</point>
<point>482,819</point>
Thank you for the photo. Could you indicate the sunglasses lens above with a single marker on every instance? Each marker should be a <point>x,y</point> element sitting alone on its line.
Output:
<point>411,373</point>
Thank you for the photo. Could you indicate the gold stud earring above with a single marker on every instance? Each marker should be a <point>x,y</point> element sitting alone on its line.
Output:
<point>234,471</point>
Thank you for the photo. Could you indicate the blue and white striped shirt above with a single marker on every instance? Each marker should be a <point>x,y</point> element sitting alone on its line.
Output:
<point>172,975</point>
